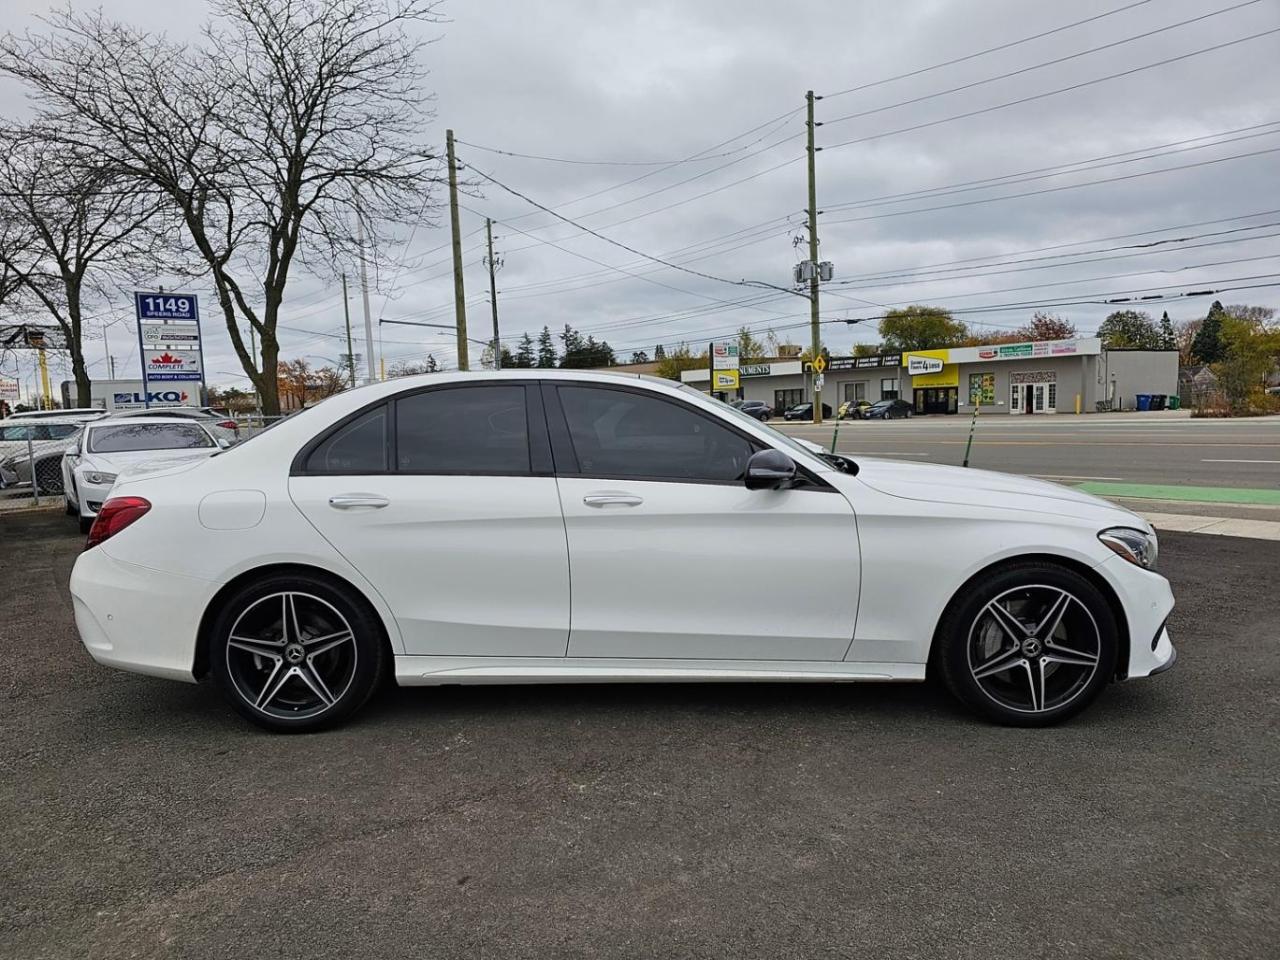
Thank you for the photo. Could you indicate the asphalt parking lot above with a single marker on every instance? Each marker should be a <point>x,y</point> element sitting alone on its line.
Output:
<point>142,818</point>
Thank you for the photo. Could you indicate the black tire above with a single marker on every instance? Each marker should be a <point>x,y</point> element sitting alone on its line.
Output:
<point>68,508</point>
<point>349,673</point>
<point>1070,666</point>
<point>86,524</point>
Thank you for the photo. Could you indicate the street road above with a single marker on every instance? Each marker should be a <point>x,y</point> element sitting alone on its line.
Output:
<point>1229,453</point>
<point>141,818</point>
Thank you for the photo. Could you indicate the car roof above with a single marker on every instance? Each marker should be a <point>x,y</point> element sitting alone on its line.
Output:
<point>149,421</point>
<point>71,413</point>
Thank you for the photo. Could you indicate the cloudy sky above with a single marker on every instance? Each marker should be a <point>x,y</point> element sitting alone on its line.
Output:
<point>935,186</point>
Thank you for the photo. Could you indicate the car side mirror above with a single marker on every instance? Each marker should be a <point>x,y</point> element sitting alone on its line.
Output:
<point>769,470</point>
<point>224,443</point>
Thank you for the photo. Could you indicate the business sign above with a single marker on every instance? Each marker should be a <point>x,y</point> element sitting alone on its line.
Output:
<point>836,364</point>
<point>171,334</point>
<point>724,355</point>
<point>919,366</point>
<point>166,306</point>
<point>9,390</point>
<point>756,370</point>
<point>724,380</point>
<point>131,399</point>
<point>167,365</point>
<point>1029,350</point>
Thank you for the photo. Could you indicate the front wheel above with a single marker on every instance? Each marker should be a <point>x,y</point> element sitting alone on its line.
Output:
<point>296,654</point>
<point>1029,645</point>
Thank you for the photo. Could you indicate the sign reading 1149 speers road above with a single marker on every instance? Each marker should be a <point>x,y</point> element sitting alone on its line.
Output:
<point>169,337</point>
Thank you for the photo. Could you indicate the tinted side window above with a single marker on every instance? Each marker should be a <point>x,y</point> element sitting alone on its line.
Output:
<point>625,434</point>
<point>474,429</point>
<point>359,446</point>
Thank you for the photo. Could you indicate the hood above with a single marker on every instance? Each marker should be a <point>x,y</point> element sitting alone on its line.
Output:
<point>985,488</point>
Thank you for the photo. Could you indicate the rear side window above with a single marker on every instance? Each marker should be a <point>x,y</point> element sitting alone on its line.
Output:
<point>469,430</point>
<point>129,437</point>
<point>617,433</point>
<point>358,446</point>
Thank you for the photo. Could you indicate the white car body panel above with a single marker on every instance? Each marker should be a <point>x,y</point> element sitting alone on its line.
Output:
<point>470,565</point>
<point>664,576</point>
<point>470,575</point>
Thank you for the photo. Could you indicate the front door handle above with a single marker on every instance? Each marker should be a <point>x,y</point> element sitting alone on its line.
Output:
<point>612,500</point>
<point>348,501</point>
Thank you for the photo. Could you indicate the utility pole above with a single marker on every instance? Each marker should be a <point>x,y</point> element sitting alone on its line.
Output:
<point>346,313</point>
<point>459,294</point>
<point>814,334</point>
<point>493,294</point>
<point>111,367</point>
<point>364,292</point>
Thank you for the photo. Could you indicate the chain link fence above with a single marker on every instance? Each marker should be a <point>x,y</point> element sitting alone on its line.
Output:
<point>31,461</point>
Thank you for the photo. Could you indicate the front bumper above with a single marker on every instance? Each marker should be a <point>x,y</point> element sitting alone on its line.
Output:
<point>137,618</point>
<point>1147,600</point>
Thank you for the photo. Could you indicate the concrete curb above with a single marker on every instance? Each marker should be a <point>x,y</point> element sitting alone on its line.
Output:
<point>1217,526</point>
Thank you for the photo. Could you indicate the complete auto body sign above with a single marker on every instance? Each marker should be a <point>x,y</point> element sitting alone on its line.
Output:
<point>172,365</point>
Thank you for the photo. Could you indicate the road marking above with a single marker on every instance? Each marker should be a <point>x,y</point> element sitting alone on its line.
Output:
<point>1240,461</point>
<point>1157,491</point>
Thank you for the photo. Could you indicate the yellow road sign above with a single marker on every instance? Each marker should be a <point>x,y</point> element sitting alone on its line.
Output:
<point>819,363</point>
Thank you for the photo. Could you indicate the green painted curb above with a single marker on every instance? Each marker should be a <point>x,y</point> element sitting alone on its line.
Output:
<point>1156,491</point>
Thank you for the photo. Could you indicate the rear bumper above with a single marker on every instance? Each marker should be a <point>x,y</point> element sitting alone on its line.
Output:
<point>136,618</point>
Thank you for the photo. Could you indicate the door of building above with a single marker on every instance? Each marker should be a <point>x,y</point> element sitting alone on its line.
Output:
<point>937,399</point>
<point>1033,397</point>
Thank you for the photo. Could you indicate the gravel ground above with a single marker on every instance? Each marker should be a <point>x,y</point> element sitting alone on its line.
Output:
<point>140,818</point>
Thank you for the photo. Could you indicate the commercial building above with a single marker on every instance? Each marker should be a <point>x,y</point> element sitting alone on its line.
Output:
<point>1045,376</point>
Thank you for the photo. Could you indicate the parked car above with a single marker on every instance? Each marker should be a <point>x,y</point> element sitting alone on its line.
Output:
<point>756,408</point>
<point>14,435</point>
<point>219,423</point>
<point>888,410</point>
<point>853,409</point>
<point>44,462</point>
<point>111,446</point>
<point>362,538</point>
<point>804,411</point>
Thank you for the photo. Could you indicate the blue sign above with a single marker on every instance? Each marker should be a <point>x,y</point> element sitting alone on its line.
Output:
<point>166,306</point>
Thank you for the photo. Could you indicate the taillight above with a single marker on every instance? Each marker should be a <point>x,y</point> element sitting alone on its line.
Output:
<point>228,424</point>
<point>116,514</point>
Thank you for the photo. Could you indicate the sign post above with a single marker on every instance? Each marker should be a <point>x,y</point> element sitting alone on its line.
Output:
<point>169,343</point>
<point>724,359</point>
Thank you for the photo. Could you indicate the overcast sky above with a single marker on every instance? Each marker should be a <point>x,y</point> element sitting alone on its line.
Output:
<point>653,81</point>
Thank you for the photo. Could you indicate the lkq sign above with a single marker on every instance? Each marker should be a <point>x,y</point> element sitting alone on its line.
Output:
<point>917,366</point>
<point>168,339</point>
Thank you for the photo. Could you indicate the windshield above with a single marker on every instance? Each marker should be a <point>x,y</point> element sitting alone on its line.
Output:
<point>881,405</point>
<point>776,435</point>
<point>128,437</point>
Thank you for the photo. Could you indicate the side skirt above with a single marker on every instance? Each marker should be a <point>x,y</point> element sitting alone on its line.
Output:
<point>419,671</point>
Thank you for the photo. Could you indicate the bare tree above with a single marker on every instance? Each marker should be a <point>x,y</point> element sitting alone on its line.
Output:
<point>290,120</point>
<point>67,228</point>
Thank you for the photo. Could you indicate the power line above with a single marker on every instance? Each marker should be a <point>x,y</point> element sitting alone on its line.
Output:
<point>1040,66</point>
<point>983,53</point>
<point>1051,93</point>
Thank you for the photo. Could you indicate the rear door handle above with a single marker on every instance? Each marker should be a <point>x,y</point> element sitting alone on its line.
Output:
<point>348,501</point>
<point>612,500</point>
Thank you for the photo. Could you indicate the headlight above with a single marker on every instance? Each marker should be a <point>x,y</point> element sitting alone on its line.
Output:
<point>99,479</point>
<point>1136,546</point>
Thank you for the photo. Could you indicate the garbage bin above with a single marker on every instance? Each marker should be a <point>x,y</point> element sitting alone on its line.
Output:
<point>1157,401</point>
<point>1144,401</point>
<point>1175,402</point>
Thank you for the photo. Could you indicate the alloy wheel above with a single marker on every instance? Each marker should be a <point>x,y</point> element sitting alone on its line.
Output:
<point>291,655</point>
<point>1034,649</point>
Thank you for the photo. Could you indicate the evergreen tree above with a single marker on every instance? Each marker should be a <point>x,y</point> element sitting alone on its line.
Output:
<point>659,353</point>
<point>546,349</point>
<point>1207,347</point>
<point>524,357</point>
<point>1167,339</point>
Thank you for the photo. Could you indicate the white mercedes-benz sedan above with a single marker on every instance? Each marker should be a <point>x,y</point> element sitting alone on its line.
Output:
<point>557,526</point>
<point>110,447</point>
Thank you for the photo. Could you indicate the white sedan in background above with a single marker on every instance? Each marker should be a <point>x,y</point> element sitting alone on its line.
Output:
<point>560,526</point>
<point>112,446</point>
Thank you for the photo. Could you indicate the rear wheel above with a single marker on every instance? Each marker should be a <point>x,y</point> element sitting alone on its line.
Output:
<point>295,654</point>
<point>1030,645</point>
<point>68,507</point>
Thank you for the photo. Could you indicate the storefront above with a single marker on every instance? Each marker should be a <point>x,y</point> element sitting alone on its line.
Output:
<point>1034,377</point>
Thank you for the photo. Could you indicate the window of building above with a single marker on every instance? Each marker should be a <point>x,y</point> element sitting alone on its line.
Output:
<point>889,388</point>
<point>358,446</point>
<point>618,433</point>
<point>856,390</point>
<point>784,400</point>
<point>1053,395</point>
<point>982,389</point>
<point>468,430</point>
